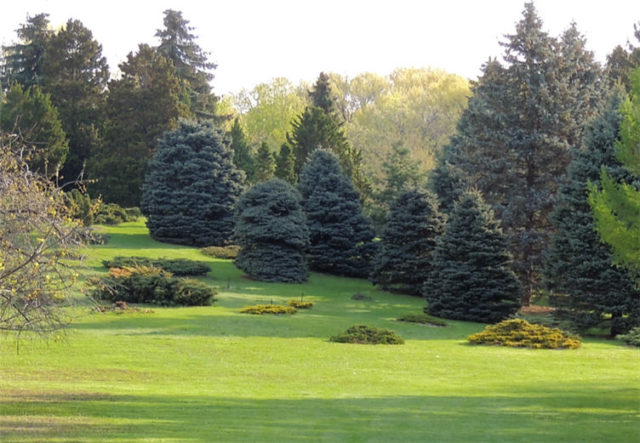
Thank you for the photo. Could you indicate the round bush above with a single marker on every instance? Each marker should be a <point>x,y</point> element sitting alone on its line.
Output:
<point>368,335</point>
<point>519,333</point>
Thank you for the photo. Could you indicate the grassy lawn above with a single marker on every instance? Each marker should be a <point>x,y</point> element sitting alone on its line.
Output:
<point>212,374</point>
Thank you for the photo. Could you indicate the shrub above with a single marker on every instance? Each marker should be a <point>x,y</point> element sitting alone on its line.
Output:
<point>632,337</point>
<point>424,319</point>
<point>150,284</point>
<point>301,304</point>
<point>268,309</point>
<point>226,252</point>
<point>368,335</point>
<point>179,266</point>
<point>520,333</point>
<point>113,214</point>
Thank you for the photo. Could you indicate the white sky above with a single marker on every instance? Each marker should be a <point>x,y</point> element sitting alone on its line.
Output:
<point>253,41</point>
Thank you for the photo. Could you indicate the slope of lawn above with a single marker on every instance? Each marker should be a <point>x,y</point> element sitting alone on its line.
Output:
<point>212,374</point>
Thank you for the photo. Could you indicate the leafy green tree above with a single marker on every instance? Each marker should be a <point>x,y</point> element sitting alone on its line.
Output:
<point>268,110</point>
<point>271,228</point>
<point>514,141</point>
<point>22,62</point>
<point>616,208</point>
<point>404,261</point>
<point>75,75</point>
<point>242,155</point>
<point>31,114</point>
<point>265,164</point>
<point>191,187</point>
<point>341,237</point>
<point>471,276</point>
<point>285,164</point>
<point>178,44</point>
<point>142,104</point>
<point>578,266</point>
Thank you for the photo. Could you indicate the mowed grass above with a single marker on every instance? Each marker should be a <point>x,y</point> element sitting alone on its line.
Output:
<point>212,374</point>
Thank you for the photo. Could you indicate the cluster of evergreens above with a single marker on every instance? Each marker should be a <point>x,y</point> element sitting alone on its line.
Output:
<point>543,166</point>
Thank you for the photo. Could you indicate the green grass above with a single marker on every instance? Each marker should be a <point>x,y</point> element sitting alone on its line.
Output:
<point>212,374</point>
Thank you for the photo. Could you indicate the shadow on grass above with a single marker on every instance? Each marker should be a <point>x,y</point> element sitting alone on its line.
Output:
<point>582,414</point>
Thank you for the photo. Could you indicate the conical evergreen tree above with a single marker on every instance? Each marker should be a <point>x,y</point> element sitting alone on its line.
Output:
<point>191,187</point>
<point>340,235</point>
<point>285,164</point>
<point>272,230</point>
<point>265,164</point>
<point>242,155</point>
<point>321,96</point>
<point>404,262</point>
<point>471,277</point>
<point>577,264</point>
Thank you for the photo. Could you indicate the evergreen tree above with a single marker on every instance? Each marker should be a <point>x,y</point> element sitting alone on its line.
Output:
<point>471,276</point>
<point>31,114</point>
<point>76,74</point>
<point>616,207</point>
<point>271,228</point>
<point>514,142</point>
<point>191,187</point>
<point>285,164</point>
<point>340,235</point>
<point>321,96</point>
<point>577,263</point>
<point>142,104</point>
<point>265,164</point>
<point>444,181</point>
<point>242,155</point>
<point>178,44</point>
<point>22,62</point>
<point>622,61</point>
<point>404,262</point>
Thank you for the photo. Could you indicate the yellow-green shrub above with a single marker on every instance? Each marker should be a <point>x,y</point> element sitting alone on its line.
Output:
<point>520,333</point>
<point>226,252</point>
<point>301,304</point>
<point>368,335</point>
<point>268,309</point>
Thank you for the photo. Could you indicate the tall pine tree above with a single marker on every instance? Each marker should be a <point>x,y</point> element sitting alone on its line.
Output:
<point>578,267</point>
<point>242,153</point>
<point>341,237</point>
<point>471,276</point>
<point>285,164</point>
<point>265,164</point>
<point>408,241</point>
<point>191,187</point>
<point>142,104</point>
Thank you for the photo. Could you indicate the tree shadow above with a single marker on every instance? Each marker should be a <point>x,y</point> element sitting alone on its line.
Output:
<point>579,414</point>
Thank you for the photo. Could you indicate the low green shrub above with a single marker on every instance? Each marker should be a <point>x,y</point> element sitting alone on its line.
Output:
<point>362,297</point>
<point>150,284</point>
<point>226,252</point>
<point>368,335</point>
<point>632,337</point>
<point>268,309</point>
<point>424,319</point>
<point>301,304</point>
<point>520,333</point>
<point>179,267</point>
<point>113,214</point>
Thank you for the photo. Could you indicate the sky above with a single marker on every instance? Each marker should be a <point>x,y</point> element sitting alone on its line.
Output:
<point>254,41</point>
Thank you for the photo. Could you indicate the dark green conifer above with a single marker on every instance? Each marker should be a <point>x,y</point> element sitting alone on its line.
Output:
<point>340,235</point>
<point>285,164</point>
<point>471,276</point>
<point>242,155</point>
<point>265,164</point>
<point>191,187</point>
<point>271,228</point>
<point>578,266</point>
<point>404,262</point>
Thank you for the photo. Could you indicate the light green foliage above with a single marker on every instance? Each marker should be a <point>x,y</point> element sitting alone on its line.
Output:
<point>227,252</point>
<point>616,208</point>
<point>268,110</point>
<point>30,113</point>
<point>518,333</point>
<point>268,309</point>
